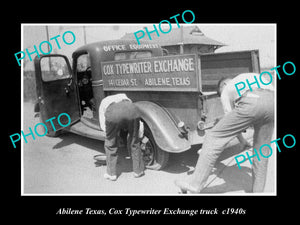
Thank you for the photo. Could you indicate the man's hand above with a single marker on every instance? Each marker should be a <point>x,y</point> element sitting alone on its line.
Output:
<point>245,144</point>
<point>144,142</point>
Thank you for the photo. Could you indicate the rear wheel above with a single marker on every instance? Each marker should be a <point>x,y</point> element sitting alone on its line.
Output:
<point>42,130</point>
<point>154,157</point>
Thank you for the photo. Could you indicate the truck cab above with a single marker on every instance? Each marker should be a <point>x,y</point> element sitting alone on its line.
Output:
<point>175,94</point>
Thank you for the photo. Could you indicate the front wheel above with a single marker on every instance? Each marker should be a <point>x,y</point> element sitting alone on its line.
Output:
<point>154,157</point>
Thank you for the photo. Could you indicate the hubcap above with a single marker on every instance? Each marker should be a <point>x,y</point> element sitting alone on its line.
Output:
<point>148,153</point>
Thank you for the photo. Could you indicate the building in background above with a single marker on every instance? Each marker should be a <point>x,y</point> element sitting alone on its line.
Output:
<point>186,39</point>
<point>183,40</point>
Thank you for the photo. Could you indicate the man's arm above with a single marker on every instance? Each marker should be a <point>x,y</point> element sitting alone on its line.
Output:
<point>226,103</point>
<point>243,141</point>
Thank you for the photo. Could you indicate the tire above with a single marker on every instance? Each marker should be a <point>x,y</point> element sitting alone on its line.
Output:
<point>49,134</point>
<point>54,133</point>
<point>154,157</point>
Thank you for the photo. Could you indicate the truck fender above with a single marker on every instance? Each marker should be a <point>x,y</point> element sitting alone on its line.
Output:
<point>164,130</point>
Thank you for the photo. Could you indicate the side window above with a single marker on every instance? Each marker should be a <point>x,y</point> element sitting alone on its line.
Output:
<point>83,63</point>
<point>132,55</point>
<point>120,56</point>
<point>140,55</point>
<point>83,70</point>
<point>54,68</point>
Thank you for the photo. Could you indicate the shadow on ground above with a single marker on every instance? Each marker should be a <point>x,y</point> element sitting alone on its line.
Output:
<point>233,179</point>
<point>89,143</point>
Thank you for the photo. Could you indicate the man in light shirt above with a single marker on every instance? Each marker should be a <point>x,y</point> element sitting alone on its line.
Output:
<point>117,112</point>
<point>255,107</point>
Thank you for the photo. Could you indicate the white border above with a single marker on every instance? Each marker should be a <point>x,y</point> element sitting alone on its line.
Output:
<point>22,115</point>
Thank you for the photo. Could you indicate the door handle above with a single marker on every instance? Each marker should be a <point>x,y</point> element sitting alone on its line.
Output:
<point>41,100</point>
<point>67,90</point>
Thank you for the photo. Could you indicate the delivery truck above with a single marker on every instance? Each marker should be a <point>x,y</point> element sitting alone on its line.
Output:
<point>176,94</point>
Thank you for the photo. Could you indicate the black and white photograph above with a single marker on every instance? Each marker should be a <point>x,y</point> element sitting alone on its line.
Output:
<point>159,109</point>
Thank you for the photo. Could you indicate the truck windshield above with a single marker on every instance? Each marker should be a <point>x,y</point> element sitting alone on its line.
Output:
<point>132,55</point>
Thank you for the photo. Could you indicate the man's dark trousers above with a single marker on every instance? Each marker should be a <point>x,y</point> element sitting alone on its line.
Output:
<point>122,115</point>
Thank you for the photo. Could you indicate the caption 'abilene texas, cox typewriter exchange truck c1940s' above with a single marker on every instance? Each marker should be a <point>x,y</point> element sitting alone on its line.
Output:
<point>176,94</point>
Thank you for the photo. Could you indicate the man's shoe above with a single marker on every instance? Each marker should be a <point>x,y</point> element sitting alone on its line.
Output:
<point>185,187</point>
<point>110,177</point>
<point>137,175</point>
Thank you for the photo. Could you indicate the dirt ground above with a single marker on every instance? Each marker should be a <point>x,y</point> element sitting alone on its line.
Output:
<point>65,165</point>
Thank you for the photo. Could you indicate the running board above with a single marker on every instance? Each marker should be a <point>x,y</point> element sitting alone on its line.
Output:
<point>82,129</point>
<point>92,123</point>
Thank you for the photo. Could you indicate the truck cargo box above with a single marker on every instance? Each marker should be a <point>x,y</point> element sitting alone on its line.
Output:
<point>187,93</point>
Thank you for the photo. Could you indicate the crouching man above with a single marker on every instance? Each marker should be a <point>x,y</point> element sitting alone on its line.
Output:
<point>255,107</point>
<point>117,112</point>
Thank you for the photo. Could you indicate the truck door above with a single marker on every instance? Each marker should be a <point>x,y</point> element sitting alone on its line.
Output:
<point>56,91</point>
